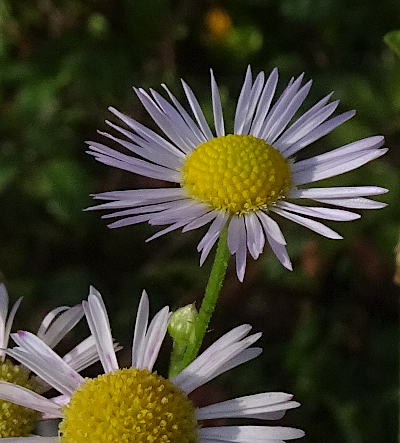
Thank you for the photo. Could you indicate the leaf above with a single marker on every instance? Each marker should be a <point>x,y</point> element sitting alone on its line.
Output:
<point>392,39</point>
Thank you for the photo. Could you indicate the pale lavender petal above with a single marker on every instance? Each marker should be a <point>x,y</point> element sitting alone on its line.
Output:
<point>318,212</point>
<point>280,252</point>
<point>264,103</point>
<point>197,112</point>
<point>271,227</point>
<point>317,133</point>
<point>142,318</point>
<point>255,235</point>
<point>207,242</point>
<point>338,192</point>
<point>243,103</point>
<point>254,98</point>
<point>29,399</point>
<point>250,434</point>
<point>354,203</point>
<point>9,324</point>
<point>217,107</point>
<point>310,224</point>
<point>99,326</point>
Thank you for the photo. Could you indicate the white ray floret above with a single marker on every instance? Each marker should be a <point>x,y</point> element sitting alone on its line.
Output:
<point>229,351</point>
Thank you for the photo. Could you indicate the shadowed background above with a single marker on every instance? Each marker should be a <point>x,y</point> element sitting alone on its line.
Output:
<point>330,327</point>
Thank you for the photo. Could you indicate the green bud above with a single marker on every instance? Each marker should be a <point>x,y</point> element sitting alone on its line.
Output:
<point>182,323</point>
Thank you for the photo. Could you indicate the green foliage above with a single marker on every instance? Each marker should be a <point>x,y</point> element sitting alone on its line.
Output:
<point>392,39</point>
<point>330,327</point>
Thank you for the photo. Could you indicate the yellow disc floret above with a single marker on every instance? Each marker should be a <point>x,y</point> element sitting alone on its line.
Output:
<point>16,421</point>
<point>238,173</point>
<point>129,405</point>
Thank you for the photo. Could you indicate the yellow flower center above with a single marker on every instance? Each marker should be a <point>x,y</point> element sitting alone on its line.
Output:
<point>238,173</point>
<point>16,421</point>
<point>129,405</point>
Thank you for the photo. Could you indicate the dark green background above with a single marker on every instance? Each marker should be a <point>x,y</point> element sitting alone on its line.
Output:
<point>330,327</point>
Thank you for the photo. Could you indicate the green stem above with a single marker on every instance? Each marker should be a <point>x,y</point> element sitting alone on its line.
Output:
<point>213,288</point>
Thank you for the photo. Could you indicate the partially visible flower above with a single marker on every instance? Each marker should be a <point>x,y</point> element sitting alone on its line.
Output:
<point>136,404</point>
<point>17,420</point>
<point>218,22</point>
<point>240,180</point>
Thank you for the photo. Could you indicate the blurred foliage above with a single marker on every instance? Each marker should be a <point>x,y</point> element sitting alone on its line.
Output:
<point>330,327</point>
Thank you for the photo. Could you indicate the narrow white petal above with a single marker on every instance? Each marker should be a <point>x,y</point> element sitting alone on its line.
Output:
<point>142,318</point>
<point>200,221</point>
<point>344,152</point>
<point>43,361</point>
<point>62,325</point>
<point>185,115</point>
<point>318,212</point>
<point>243,103</point>
<point>317,133</point>
<point>214,231</point>
<point>283,119</point>
<point>234,230</point>
<point>310,224</point>
<point>248,406</point>
<point>298,131</point>
<point>34,439</point>
<point>29,399</point>
<point>271,227</point>
<point>197,112</point>
<point>3,314</point>
<point>99,326</point>
<point>281,105</point>
<point>154,338</point>
<point>241,252</point>
<point>146,133</point>
<point>280,252</point>
<point>9,324</point>
<point>338,192</point>
<point>248,434</point>
<point>354,203</point>
<point>217,107</point>
<point>48,319</point>
<point>336,167</point>
<point>255,235</point>
<point>264,103</point>
<point>254,98</point>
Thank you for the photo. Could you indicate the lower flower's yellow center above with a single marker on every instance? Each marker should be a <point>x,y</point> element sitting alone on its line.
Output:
<point>238,173</point>
<point>16,421</point>
<point>129,405</point>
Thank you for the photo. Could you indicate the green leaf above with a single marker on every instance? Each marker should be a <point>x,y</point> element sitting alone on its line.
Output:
<point>392,39</point>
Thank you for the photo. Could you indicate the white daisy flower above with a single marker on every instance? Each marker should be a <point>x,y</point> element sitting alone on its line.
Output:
<point>136,404</point>
<point>242,180</point>
<point>16,420</point>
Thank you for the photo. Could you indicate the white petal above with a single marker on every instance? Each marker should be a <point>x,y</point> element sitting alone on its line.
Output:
<point>251,406</point>
<point>34,439</point>
<point>336,166</point>
<point>154,338</point>
<point>255,235</point>
<point>355,203</point>
<point>197,112</point>
<point>317,133</point>
<point>338,192</point>
<point>211,236</point>
<point>217,107</point>
<point>62,325</point>
<point>44,362</point>
<point>3,314</point>
<point>310,224</point>
<point>318,212</point>
<point>243,103</point>
<point>264,103</point>
<point>249,434</point>
<point>200,221</point>
<point>99,326</point>
<point>29,399</point>
<point>241,252</point>
<point>142,318</point>
<point>9,324</point>
<point>271,227</point>
<point>280,252</point>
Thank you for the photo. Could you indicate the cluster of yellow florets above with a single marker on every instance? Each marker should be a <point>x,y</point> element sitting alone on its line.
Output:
<point>237,173</point>
<point>129,405</point>
<point>16,421</point>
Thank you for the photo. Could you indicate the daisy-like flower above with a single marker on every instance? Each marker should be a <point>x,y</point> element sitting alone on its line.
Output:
<point>240,180</point>
<point>138,405</point>
<point>17,420</point>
